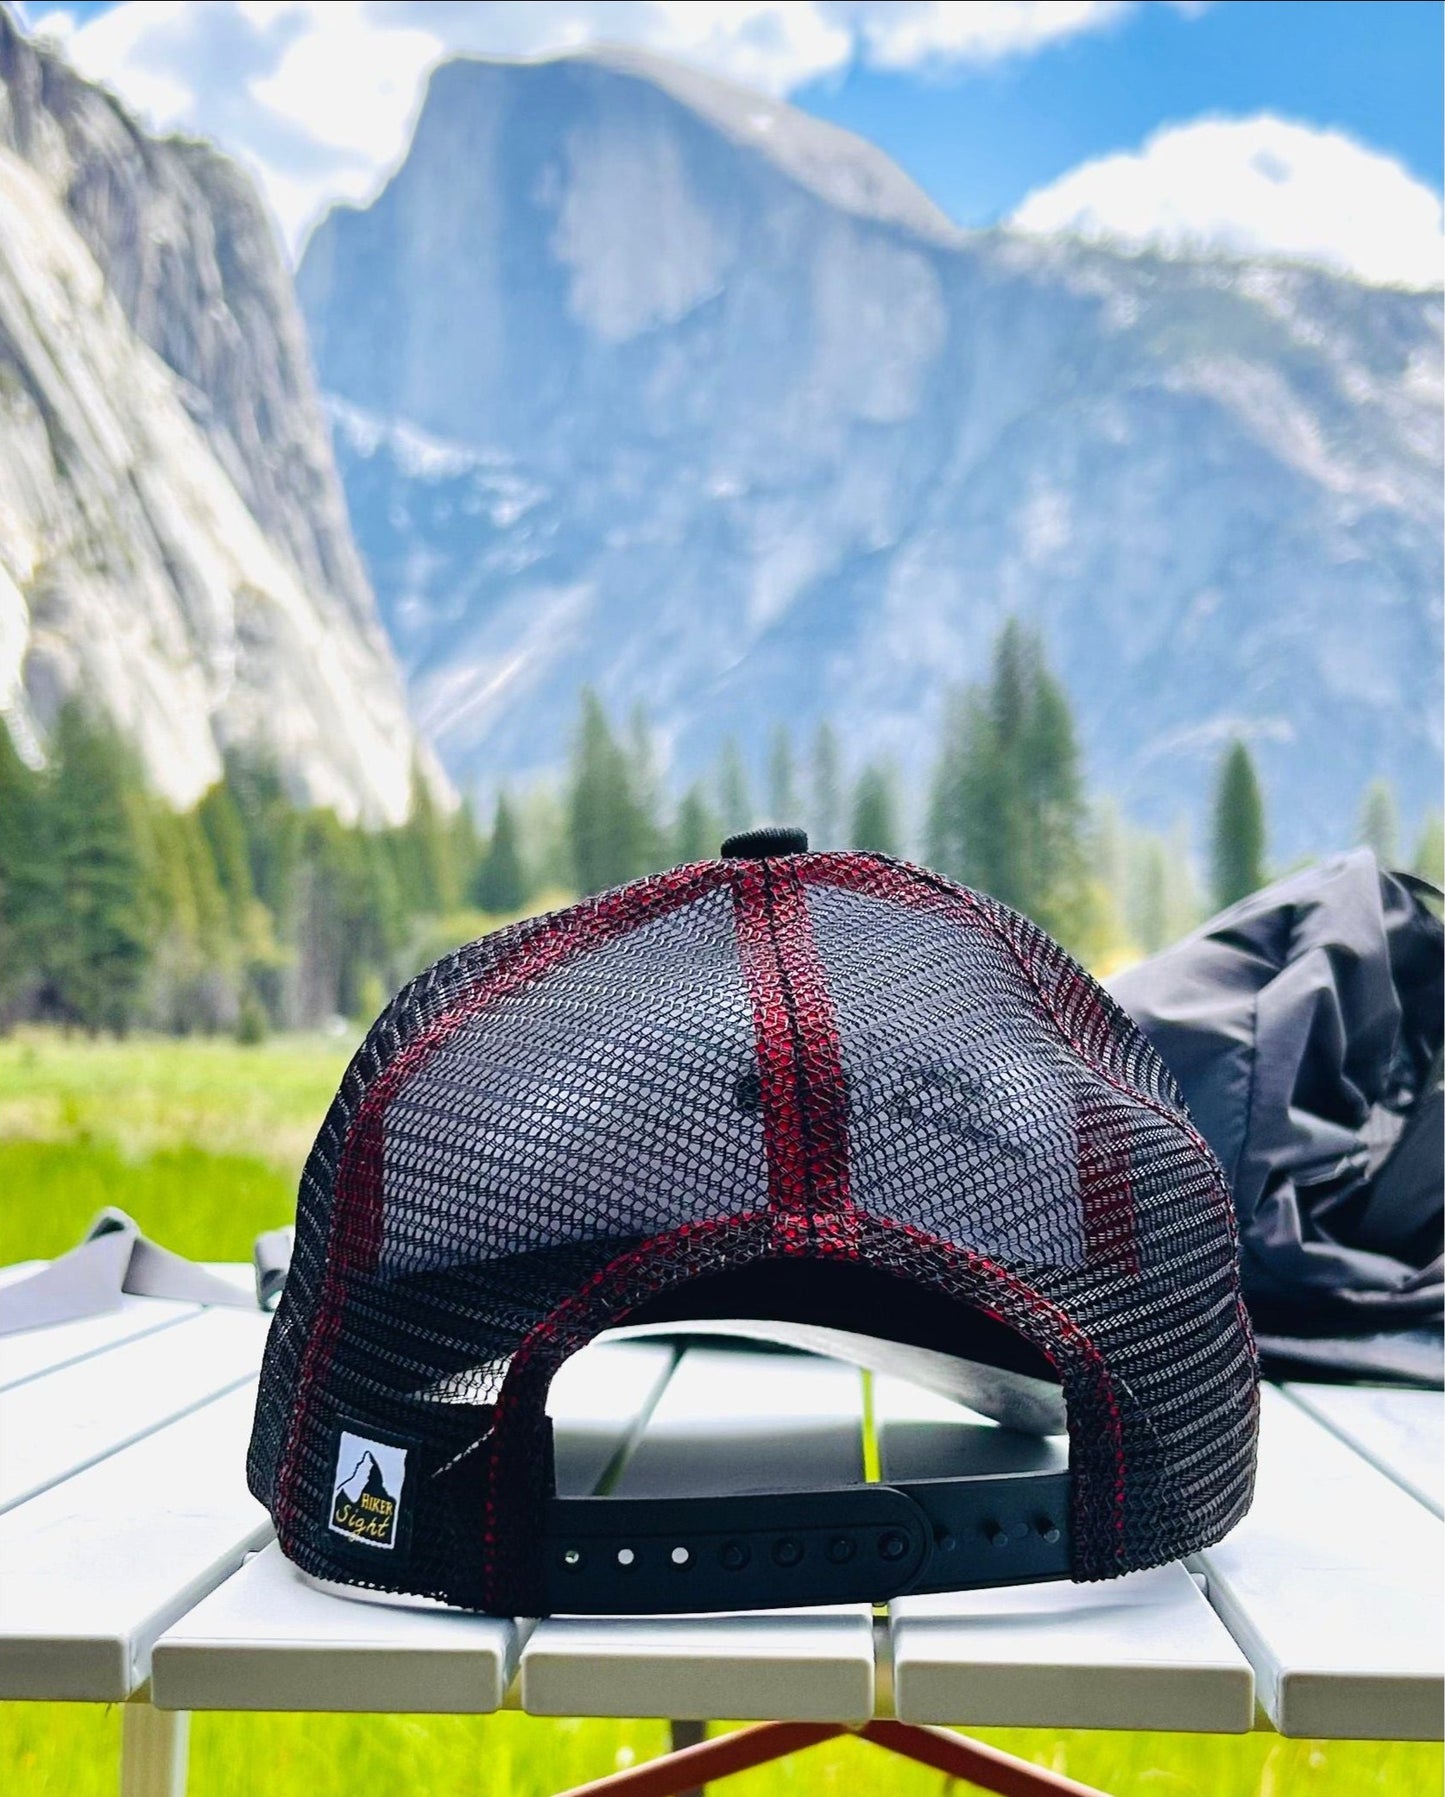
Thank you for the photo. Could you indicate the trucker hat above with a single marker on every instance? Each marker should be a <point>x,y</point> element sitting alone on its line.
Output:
<point>833,1091</point>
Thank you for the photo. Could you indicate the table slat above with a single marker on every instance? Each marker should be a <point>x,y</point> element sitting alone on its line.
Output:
<point>727,1422</point>
<point>1143,1652</point>
<point>31,1352</point>
<point>596,1402</point>
<point>93,1569</point>
<point>270,1638</point>
<point>1331,1586</point>
<point>1401,1432</point>
<point>55,1425</point>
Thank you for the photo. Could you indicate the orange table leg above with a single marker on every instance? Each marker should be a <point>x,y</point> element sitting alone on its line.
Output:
<point>987,1767</point>
<point>690,1767</point>
<point>718,1758</point>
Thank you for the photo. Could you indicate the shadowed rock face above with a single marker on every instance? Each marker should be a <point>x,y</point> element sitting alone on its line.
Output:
<point>173,538</point>
<point>640,380</point>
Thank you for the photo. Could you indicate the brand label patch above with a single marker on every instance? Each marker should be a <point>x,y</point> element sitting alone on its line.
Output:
<point>366,1504</point>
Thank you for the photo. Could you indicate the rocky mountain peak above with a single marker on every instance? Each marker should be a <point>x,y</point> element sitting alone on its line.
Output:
<point>204,351</point>
<point>634,387</point>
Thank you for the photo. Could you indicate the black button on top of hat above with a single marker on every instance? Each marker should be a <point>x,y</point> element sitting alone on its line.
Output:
<point>758,845</point>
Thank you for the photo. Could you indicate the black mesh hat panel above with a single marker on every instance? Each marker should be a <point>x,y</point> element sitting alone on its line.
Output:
<point>824,1058</point>
<point>962,1107</point>
<point>538,1123</point>
<point>369,1331</point>
<point>1156,1291</point>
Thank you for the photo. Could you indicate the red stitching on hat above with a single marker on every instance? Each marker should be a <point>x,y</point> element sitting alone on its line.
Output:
<point>803,1093</point>
<point>1107,1193</point>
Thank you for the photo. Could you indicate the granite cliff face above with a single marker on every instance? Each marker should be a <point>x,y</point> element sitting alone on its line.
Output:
<point>640,380</point>
<point>173,539</point>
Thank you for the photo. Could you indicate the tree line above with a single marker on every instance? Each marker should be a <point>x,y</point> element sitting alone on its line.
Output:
<point>248,913</point>
<point>245,913</point>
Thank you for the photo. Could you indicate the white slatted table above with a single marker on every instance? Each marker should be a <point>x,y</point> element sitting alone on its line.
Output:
<point>1332,1585</point>
<point>129,1562</point>
<point>1401,1432</point>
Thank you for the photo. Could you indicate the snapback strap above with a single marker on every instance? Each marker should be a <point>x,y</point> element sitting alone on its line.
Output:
<point>853,1544</point>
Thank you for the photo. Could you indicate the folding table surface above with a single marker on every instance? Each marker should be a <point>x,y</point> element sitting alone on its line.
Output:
<point>60,1422</point>
<point>30,1352</point>
<point>1332,1587</point>
<point>125,1501</point>
<point>128,1520</point>
<point>94,1568</point>
<point>1401,1432</point>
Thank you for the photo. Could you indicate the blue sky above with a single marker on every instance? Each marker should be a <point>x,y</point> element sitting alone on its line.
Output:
<point>979,140</point>
<point>1098,116</point>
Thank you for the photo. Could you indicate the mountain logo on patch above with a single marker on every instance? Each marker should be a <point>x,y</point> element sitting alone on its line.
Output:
<point>366,1504</point>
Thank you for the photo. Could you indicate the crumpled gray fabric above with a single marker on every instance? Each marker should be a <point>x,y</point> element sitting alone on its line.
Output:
<point>1304,1025</point>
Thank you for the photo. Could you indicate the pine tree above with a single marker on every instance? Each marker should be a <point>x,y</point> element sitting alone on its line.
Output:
<point>253,929</point>
<point>825,819</point>
<point>645,785</point>
<point>611,837</point>
<point>1007,812</point>
<point>697,833</point>
<point>430,876</point>
<point>734,802</point>
<point>385,929</point>
<point>1055,790</point>
<point>213,917</point>
<point>465,846</point>
<point>352,919</point>
<point>1429,857</point>
<point>783,805</point>
<point>195,963</point>
<point>874,822</point>
<point>28,880</point>
<point>226,836</point>
<point>542,829</point>
<point>944,846</point>
<point>1150,917</point>
<point>97,940</point>
<point>273,829</point>
<point>1238,836</point>
<point>501,886</point>
<point>598,778</point>
<point>321,923</point>
<point>1380,823</point>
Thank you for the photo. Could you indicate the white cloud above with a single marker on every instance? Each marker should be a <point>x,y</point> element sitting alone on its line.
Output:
<point>368,112</point>
<point>907,36</point>
<point>318,96</point>
<point>1261,185</point>
<point>127,39</point>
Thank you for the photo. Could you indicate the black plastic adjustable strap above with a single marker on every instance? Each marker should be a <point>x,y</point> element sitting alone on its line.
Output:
<point>855,1544</point>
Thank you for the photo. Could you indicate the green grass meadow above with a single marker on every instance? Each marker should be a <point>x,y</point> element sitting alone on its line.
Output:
<point>201,1141</point>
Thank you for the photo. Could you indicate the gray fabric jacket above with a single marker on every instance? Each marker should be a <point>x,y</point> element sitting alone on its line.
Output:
<point>1304,1025</point>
